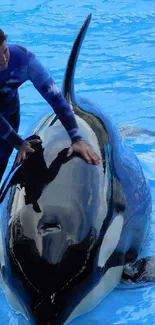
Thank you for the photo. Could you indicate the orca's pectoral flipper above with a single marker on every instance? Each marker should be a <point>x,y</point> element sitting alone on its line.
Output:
<point>141,271</point>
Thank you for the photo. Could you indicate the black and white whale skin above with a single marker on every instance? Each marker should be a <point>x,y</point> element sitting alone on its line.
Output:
<point>68,228</point>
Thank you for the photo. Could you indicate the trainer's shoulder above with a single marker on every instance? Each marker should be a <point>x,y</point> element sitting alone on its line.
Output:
<point>20,53</point>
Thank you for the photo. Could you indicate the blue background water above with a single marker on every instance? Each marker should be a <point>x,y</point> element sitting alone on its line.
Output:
<point>116,69</point>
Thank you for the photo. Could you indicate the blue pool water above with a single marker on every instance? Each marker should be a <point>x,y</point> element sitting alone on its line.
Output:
<point>116,69</point>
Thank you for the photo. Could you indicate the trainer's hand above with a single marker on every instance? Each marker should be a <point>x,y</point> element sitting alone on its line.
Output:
<point>86,152</point>
<point>25,149</point>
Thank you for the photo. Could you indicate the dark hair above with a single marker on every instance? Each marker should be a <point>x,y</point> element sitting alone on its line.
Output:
<point>3,37</point>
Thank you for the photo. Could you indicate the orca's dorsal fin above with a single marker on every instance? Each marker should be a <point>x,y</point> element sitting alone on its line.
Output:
<point>68,83</point>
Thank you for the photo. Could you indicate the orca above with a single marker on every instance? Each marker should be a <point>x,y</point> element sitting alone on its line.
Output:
<point>70,230</point>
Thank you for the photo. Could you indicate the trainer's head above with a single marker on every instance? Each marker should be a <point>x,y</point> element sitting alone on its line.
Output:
<point>4,51</point>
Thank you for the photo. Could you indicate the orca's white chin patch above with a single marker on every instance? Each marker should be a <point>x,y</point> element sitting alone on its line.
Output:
<point>109,281</point>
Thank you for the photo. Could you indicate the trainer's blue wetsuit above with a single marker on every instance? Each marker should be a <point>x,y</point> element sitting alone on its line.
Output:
<point>23,66</point>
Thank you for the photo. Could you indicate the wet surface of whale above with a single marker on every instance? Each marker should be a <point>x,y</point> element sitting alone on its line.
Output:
<point>68,228</point>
